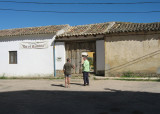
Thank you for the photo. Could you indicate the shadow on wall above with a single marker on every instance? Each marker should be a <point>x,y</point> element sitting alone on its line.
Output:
<point>79,102</point>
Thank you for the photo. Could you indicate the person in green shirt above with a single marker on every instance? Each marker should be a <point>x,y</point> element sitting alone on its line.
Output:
<point>86,70</point>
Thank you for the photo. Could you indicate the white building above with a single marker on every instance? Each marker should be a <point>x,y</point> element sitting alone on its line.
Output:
<point>30,51</point>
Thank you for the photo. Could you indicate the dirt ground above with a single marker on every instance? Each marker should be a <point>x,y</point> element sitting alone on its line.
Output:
<point>101,97</point>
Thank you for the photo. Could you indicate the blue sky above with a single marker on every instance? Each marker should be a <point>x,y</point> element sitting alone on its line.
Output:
<point>14,19</point>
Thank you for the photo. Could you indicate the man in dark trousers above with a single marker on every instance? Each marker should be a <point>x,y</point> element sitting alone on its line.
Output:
<point>67,72</point>
<point>86,69</point>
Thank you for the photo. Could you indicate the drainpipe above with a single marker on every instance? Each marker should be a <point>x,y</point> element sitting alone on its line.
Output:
<point>53,42</point>
<point>54,60</point>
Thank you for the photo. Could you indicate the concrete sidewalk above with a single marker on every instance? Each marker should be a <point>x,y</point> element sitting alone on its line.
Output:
<point>113,78</point>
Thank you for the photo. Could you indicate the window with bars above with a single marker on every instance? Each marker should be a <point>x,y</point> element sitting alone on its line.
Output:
<point>12,57</point>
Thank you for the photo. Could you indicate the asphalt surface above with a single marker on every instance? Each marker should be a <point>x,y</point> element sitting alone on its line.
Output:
<point>101,97</point>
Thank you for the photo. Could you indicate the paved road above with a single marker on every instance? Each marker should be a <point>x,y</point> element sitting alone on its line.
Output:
<point>101,97</point>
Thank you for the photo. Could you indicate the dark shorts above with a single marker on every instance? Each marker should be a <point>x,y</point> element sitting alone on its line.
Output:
<point>67,75</point>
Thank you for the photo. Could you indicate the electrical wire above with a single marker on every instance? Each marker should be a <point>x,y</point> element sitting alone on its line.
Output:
<point>80,3</point>
<point>41,11</point>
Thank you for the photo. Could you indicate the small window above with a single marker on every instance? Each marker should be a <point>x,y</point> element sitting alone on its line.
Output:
<point>12,57</point>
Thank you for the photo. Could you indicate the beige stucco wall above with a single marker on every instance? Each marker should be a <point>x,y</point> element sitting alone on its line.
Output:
<point>134,53</point>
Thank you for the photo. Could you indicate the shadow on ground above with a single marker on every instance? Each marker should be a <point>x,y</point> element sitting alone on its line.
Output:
<point>77,84</point>
<point>58,85</point>
<point>61,85</point>
<point>79,102</point>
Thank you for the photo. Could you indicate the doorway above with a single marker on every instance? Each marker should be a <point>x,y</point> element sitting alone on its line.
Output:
<point>74,51</point>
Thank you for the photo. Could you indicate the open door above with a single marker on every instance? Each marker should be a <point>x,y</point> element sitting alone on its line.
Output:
<point>91,59</point>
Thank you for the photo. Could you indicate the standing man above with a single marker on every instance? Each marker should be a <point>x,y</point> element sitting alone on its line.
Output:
<point>67,72</point>
<point>86,69</point>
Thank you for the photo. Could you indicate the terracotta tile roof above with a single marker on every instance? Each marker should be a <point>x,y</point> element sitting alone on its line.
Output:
<point>90,29</point>
<point>32,30</point>
<point>109,27</point>
<point>120,27</point>
<point>80,30</point>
